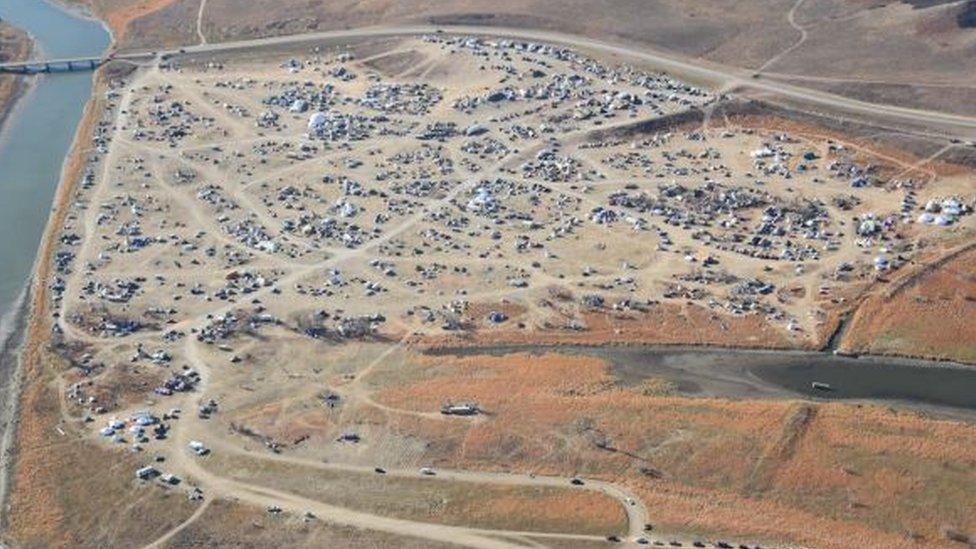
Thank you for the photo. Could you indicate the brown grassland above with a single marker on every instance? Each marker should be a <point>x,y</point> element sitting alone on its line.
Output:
<point>927,43</point>
<point>824,475</point>
<point>15,45</point>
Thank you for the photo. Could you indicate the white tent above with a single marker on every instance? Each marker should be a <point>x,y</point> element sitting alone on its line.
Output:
<point>316,121</point>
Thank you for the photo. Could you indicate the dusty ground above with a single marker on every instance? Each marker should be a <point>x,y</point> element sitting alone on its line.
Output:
<point>479,505</point>
<point>228,524</point>
<point>290,275</point>
<point>120,14</point>
<point>809,41</point>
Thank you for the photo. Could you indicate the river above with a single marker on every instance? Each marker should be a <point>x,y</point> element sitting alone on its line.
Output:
<point>36,138</point>
<point>34,142</point>
<point>947,389</point>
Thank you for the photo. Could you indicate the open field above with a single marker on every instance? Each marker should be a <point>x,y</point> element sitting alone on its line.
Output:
<point>927,312</point>
<point>227,524</point>
<point>261,244</point>
<point>912,53</point>
<point>822,470</point>
<point>542,509</point>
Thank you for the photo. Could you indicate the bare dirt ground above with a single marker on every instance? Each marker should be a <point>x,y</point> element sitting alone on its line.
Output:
<point>15,45</point>
<point>251,251</point>
<point>120,14</point>
<point>927,43</point>
<point>228,524</point>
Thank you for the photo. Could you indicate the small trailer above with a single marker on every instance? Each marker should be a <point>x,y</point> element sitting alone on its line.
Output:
<point>460,409</point>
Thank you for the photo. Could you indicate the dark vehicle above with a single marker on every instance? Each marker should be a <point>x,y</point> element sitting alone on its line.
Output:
<point>379,470</point>
<point>576,482</point>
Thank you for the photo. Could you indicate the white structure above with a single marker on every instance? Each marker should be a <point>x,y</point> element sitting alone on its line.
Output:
<point>316,121</point>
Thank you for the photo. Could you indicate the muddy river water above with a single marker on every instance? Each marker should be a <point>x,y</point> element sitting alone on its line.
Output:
<point>35,139</point>
<point>734,373</point>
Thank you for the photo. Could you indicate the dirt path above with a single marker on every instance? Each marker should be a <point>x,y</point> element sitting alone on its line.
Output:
<point>920,165</point>
<point>161,541</point>
<point>470,181</point>
<point>636,513</point>
<point>791,19</point>
<point>866,81</point>
<point>203,37</point>
<point>961,125</point>
<point>215,485</point>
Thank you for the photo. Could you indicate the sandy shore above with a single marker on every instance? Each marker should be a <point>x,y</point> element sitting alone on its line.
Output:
<point>9,95</point>
<point>9,387</point>
<point>13,87</point>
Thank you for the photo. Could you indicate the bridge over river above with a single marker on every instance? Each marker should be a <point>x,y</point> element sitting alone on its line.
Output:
<point>65,65</point>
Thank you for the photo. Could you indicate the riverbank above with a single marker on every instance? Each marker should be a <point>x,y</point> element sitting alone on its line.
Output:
<point>942,388</point>
<point>32,321</point>
<point>15,45</point>
<point>85,10</point>
<point>114,21</point>
<point>10,391</point>
<point>37,123</point>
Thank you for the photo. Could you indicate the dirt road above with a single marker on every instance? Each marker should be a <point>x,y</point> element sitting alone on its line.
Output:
<point>951,124</point>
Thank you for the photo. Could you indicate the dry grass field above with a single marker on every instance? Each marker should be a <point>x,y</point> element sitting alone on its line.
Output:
<point>822,475</point>
<point>929,312</point>
<point>227,524</point>
<point>15,45</point>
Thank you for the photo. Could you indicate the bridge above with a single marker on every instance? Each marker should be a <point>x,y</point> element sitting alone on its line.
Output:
<point>957,125</point>
<point>66,65</point>
<point>54,65</point>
